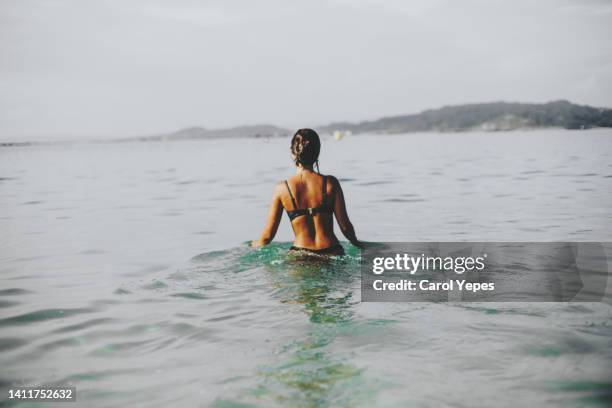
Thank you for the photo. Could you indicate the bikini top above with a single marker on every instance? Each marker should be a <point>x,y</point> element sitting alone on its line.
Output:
<point>323,208</point>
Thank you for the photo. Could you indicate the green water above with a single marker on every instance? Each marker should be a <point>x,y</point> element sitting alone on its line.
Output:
<point>308,374</point>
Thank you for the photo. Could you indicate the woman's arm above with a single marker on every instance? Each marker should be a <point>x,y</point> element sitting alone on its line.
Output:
<point>274,217</point>
<point>341,215</point>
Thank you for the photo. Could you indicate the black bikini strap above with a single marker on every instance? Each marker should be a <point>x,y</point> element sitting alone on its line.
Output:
<point>291,195</point>
<point>324,196</point>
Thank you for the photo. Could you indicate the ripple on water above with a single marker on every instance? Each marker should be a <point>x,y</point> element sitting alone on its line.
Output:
<point>56,344</point>
<point>185,183</point>
<point>147,270</point>
<point>13,292</point>
<point>375,183</point>
<point>598,329</point>
<point>7,303</point>
<point>97,375</point>
<point>121,291</point>
<point>230,316</point>
<point>576,308</point>
<point>403,200</point>
<point>42,315</point>
<point>10,343</point>
<point>121,348</point>
<point>563,345</point>
<point>155,285</point>
<point>509,311</point>
<point>189,295</point>
<point>85,325</point>
<point>587,393</point>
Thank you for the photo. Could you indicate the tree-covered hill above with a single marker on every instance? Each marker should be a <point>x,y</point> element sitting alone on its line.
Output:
<point>486,116</point>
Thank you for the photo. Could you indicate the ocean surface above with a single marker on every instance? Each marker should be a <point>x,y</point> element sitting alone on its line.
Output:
<point>124,271</point>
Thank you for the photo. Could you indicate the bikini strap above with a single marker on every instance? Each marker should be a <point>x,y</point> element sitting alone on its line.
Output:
<point>324,195</point>
<point>291,195</point>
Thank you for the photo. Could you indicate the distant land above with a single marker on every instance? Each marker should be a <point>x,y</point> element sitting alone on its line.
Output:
<point>494,116</point>
<point>229,133</point>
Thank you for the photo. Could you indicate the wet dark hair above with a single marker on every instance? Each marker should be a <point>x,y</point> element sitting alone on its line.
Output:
<point>305,146</point>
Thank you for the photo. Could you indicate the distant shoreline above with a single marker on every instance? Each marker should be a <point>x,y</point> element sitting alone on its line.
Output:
<point>483,117</point>
<point>72,142</point>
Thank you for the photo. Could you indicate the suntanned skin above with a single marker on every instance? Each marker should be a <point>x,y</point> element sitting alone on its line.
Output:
<point>311,232</point>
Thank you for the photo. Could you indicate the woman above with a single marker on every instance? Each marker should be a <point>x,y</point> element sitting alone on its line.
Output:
<point>310,200</point>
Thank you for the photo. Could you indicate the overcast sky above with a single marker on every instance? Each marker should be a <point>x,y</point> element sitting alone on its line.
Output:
<point>106,67</point>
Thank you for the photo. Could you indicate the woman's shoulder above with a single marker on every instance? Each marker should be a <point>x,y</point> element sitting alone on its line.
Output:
<point>332,179</point>
<point>279,187</point>
<point>332,185</point>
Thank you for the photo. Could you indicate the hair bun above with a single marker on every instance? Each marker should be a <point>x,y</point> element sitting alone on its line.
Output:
<point>305,146</point>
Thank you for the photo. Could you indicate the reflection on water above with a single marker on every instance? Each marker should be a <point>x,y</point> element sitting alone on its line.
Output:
<point>309,373</point>
<point>312,375</point>
<point>99,286</point>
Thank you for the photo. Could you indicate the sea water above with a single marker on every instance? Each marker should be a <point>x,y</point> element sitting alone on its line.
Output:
<point>125,272</point>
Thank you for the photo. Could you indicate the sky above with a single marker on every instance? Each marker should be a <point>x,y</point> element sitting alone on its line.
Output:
<point>83,68</point>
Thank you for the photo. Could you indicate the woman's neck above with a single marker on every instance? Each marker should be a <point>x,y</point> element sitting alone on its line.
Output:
<point>301,168</point>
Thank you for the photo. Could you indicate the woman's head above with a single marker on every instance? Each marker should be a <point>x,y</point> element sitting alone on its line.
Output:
<point>305,147</point>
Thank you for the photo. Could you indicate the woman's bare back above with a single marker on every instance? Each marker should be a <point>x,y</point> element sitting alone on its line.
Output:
<point>309,190</point>
<point>312,231</point>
